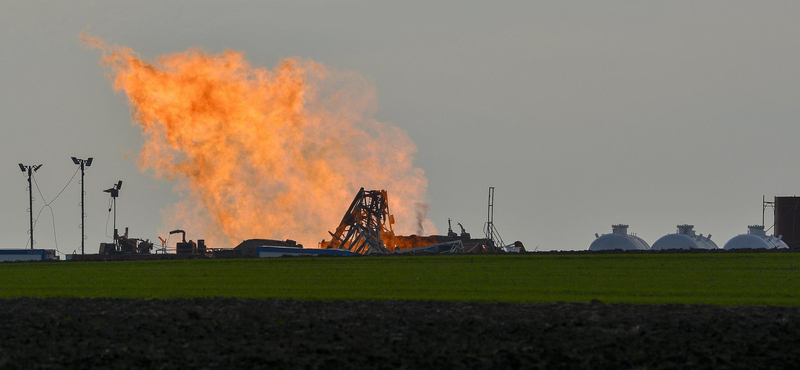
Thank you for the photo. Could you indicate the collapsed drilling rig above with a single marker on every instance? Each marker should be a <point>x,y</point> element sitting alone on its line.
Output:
<point>365,225</point>
<point>366,229</point>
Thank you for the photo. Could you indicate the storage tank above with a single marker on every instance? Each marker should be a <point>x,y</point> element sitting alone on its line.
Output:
<point>755,239</point>
<point>787,220</point>
<point>685,238</point>
<point>618,239</point>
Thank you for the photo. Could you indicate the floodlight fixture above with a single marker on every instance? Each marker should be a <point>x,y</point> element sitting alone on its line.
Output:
<point>37,167</point>
<point>75,160</point>
<point>119,185</point>
<point>89,161</point>
<point>22,167</point>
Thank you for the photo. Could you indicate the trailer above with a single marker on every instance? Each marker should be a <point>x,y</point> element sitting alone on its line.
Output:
<point>16,255</point>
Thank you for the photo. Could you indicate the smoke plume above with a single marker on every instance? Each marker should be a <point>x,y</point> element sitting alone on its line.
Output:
<point>263,153</point>
<point>421,215</point>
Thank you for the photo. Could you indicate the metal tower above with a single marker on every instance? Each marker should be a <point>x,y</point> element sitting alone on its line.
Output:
<point>30,170</point>
<point>83,163</point>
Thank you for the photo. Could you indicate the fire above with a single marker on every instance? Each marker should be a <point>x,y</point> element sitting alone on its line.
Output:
<point>257,152</point>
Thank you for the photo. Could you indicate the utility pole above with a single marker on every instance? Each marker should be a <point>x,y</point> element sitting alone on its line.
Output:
<point>30,170</point>
<point>114,192</point>
<point>83,163</point>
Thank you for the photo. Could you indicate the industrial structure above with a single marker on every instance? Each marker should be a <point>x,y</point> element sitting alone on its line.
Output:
<point>83,163</point>
<point>366,229</point>
<point>123,244</point>
<point>755,238</point>
<point>684,238</point>
<point>619,239</point>
<point>30,170</point>
<point>365,226</point>
<point>787,220</point>
<point>113,191</point>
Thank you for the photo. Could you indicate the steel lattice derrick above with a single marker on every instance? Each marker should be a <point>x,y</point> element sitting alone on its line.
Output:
<point>365,225</point>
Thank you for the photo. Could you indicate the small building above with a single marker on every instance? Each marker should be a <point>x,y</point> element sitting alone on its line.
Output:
<point>619,239</point>
<point>685,238</point>
<point>755,238</point>
<point>16,255</point>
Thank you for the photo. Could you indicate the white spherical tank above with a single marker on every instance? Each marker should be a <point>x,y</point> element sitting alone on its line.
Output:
<point>618,239</point>
<point>685,238</point>
<point>755,238</point>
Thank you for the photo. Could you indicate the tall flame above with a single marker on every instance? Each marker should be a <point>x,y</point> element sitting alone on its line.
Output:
<point>260,153</point>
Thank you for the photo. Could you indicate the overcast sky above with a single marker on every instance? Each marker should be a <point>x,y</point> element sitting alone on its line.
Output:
<point>582,114</point>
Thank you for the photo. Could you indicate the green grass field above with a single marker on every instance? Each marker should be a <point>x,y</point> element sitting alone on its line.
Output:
<point>726,279</point>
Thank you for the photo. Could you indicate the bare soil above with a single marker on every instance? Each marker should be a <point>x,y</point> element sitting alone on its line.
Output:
<point>241,334</point>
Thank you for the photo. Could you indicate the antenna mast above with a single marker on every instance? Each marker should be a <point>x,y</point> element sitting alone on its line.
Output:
<point>114,192</point>
<point>490,216</point>
<point>30,170</point>
<point>764,205</point>
<point>83,163</point>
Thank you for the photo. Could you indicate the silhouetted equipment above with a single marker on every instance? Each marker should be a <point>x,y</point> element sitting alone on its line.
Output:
<point>365,225</point>
<point>182,247</point>
<point>366,228</point>
<point>398,243</point>
<point>79,161</point>
<point>83,163</point>
<point>179,231</point>
<point>107,248</point>
<point>190,247</point>
<point>490,215</point>
<point>451,247</point>
<point>787,220</point>
<point>114,192</point>
<point>464,233</point>
<point>163,245</point>
<point>127,245</point>
<point>249,247</point>
<point>30,170</point>
<point>490,230</point>
<point>764,205</point>
<point>450,232</point>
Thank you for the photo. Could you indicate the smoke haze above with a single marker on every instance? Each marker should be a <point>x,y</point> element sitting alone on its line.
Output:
<point>263,153</point>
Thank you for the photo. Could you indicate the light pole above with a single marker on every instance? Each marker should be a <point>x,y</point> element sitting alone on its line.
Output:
<point>114,191</point>
<point>30,170</point>
<point>83,163</point>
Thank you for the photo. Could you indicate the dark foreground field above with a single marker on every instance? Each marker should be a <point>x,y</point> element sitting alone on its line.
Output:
<point>234,333</point>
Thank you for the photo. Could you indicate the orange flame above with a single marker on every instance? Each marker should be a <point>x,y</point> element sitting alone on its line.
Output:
<point>260,153</point>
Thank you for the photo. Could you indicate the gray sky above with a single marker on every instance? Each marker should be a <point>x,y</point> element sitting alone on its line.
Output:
<point>581,114</point>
